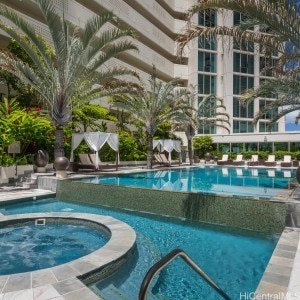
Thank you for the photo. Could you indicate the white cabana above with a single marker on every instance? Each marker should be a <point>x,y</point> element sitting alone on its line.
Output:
<point>168,145</point>
<point>95,141</point>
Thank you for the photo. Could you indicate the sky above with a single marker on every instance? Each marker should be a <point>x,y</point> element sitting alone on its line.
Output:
<point>290,122</point>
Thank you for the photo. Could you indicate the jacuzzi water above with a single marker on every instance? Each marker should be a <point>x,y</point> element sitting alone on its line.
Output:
<point>234,258</point>
<point>27,247</point>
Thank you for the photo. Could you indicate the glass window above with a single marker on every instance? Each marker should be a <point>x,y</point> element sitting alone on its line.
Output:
<point>205,43</point>
<point>270,114</point>
<point>281,146</point>
<point>265,147</point>
<point>251,147</point>
<point>242,111</point>
<point>265,64</point>
<point>264,127</point>
<point>207,18</point>
<point>206,110</point>
<point>243,46</point>
<point>242,83</point>
<point>243,63</point>
<point>236,148</point>
<point>242,126</point>
<point>238,18</point>
<point>206,62</point>
<point>294,146</point>
<point>207,129</point>
<point>206,84</point>
<point>224,148</point>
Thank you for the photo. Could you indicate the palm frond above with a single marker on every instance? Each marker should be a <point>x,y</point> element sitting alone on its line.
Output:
<point>280,16</point>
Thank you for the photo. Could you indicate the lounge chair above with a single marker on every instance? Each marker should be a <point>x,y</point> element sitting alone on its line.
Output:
<point>270,162</point>
<point>101,165</point>
<point>287,162</point>
<point>239,160</point>
<point>224,160</point>
<point>85,162</point>
<point>162,159</point>
<point>254,160</point>
<point>158,159</point>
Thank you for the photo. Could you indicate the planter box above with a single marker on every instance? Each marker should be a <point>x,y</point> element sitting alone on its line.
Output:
<point>9,174</point>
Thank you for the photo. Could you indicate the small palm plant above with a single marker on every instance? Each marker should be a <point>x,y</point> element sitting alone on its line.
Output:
<point>77,63</point>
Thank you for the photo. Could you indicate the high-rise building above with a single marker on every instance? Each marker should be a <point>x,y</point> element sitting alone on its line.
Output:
<point>216,67</point>
<point>226,69</point>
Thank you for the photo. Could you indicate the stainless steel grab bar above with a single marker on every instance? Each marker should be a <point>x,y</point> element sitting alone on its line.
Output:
<point>167,259</point>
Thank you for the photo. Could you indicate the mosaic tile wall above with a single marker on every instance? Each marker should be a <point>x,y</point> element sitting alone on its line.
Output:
<point>260,215</point>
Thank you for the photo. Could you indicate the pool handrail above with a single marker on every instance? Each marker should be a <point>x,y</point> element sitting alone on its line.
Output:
<point>167,259</point>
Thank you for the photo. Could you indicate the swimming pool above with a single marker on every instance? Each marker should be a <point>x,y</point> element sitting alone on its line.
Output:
<point>27,247</point>
<point>258,182</point>
<point>235,259</point>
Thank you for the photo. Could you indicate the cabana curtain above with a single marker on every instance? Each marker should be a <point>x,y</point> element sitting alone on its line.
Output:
<point>169,146</point>
<point>95,141</point>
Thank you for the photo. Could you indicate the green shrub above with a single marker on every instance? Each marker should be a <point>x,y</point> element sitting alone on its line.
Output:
<point>202,145</point>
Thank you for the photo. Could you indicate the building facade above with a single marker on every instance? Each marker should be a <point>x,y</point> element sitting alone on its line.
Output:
<point>216,67</point>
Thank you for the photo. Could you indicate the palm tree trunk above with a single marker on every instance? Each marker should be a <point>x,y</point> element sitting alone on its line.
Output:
<point>190,133</point>
<point>190,151</point>
<point>59,142</point>
<point>150,151</point>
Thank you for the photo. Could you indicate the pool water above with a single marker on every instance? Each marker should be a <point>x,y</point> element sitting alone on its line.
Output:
<point>26,247</point>
<point>234,259</point>
<point>255,182</point>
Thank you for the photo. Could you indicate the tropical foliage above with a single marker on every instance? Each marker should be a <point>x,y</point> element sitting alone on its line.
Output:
<point>75,70</point>
<point>29,126</point>
<point>203,144</point>
<point>279,25</point>
<point>87,117</point>
<point>157,104</point>
<point>23,93</point>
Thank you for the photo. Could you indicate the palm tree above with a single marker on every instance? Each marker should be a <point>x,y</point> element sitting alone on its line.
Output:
<point>76,65</point>
<point>210,111</point>
<point>280,27</point>
<point>156,104</point>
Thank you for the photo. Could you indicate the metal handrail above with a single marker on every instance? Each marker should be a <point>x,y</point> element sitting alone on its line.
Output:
<point>157,267</point>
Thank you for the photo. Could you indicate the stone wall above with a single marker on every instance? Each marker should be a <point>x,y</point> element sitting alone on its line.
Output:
<point>254,214</point>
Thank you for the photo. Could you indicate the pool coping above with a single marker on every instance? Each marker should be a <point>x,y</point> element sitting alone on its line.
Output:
<point>65,281</point>
<point>281,277</point>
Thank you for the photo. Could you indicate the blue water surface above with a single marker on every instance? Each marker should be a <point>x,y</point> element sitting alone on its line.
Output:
<point>235,259</point>
<point>254,182</point>
<point>26,247</point>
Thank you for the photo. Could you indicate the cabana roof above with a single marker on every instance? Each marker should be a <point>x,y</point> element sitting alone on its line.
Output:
<point>167,145</point>
<point>95,141</point>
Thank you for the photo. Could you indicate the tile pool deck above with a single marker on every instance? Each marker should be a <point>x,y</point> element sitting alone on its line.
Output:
<point>280,280</point>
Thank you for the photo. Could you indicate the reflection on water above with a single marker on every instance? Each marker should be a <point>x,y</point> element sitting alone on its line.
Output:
<point>219,180</point>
